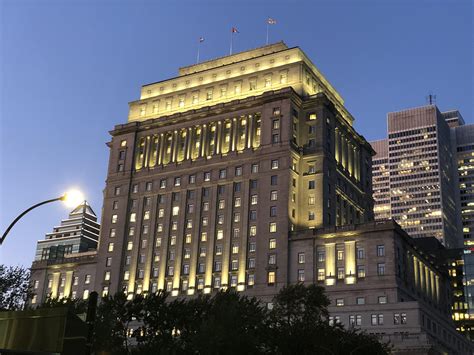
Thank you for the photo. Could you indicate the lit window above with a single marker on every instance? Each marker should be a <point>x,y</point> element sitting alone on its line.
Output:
<point>339,302</point>
<point>107,276</point>
<point>221,204</point>
<point>273,227</point>
<point>360,300</point>
<point>238,171</point>
<point>274,195</point>
<point>252,247</point>
<point>275,164</point>
<point>173,240</point>
<point>272,243</point>
<point>301,258</point>
<point>311,200</point>
<point>312,116</point>
<point>340,273</point>
<point>87,279</point>
<point>382,299</point>
<point>222,173</point>
<point>177,181</point>
<point>108,261</point>
<point>207,176</point>
<point>254,168</point>
<point>162,183</point>
<point>161,213</point>
<point>361,271</point>
<point>146,215</point>
<point>237,202</point>
<point>114,218</point>
<point>123,143</point>
<point>253,231</point>
<point>192,179</point>
<point>251,279</point>
<point>220,234</point>
<point>85,295</point>
<point>204,222</point>
<point>203,236</point>
<point>311,216</point>
<point>181,101</point>
<point>235,249</point>
<point>188,238</point>
<point>133,217</point>
<point>321,274</point>
<point>254,199</point>
<point>300,275</point>
<point>237,217</point>
<point>112,233</point>
<point>111,247</point>
<point>340,255</point>
<point>130,245</point>
<point>175,210</point>
<point>271,277</point>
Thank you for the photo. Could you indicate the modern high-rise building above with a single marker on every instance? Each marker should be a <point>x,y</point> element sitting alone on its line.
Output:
<point>217,165</point>
<point>415,174</point>
<point>65,260</point>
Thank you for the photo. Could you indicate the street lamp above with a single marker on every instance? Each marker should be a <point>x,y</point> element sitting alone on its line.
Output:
<point>71,198</point>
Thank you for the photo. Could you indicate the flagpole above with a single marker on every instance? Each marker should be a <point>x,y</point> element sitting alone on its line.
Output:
<point>268,25</point>
<point>199,46</point>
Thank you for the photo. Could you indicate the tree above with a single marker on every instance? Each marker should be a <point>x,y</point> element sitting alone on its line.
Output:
<point>299,323</point>
<point>14,287</point>
<point>113,318</point>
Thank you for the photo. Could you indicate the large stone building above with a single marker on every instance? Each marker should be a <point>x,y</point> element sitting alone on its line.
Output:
<point>65,260</point>
<point>381,280</point>
<point>216,166</point>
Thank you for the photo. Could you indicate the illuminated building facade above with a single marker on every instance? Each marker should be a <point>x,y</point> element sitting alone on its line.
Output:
<point>422,175</point>
<point>383,281</point>
<point>216,166</point>
<point>381,180</point>
<point>65,261</point>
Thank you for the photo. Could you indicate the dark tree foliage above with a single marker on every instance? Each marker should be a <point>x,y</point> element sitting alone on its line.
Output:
<point>76,305</point>
<point>227,323</point>
<point>14,287</point>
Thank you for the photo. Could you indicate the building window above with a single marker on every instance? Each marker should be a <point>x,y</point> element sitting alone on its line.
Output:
<point>252,247</point>
<point>273,227</point>
<point>311,184</point>
<point>381,269</point>
<point>311,216</point>
<point>107,276</point>
<point>110,247</point>
<point>251,280</point>
<point>380,250</point>
<point>234,265</point>
<point>301,258</point>
<point>253,231</point>
<point>360,300</point>
<point>339,302</point>
<point>114,218</point>
<point>272,243</point>
<point>146,215</point>
<point>274,195</point>
<point>133,217</point>
<point>238,171</point>
<point>276,111</point>
<point>321,256</point>
<point>117,191</point>
<point>274,180</point>
<point>175,210</point>
<point>271,278</point>
<point>207,176</point>
<point>271,259</point>
<point>135,188</point>
<point>173,240</point>
<point>360,253</point>
<point>340,255</point>
<point>300,275</point>
<point>361,271</point>
<point>254,168</point>
<point>254,199</point>
<point>274,164</point>
<point>321,274</point>
<point>237,187</point>
<point>163,184</point>
<point>85,295</point>
<point>253,215</point>
<point>253,184</point>
<point>275,124</point>
<point>188,239</point>
<point>382,299</point>
<point>275,138</point>
<point>112,233</point>
<point>222,173</point>
<point>87,279</point>
<point>129,245</point>
<point>311,200</point>
<point>192,179</point>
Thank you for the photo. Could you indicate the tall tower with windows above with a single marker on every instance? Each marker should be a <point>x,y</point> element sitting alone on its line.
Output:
<point>217,166</point>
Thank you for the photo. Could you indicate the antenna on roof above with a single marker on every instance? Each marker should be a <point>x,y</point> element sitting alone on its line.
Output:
<point>431,99</point>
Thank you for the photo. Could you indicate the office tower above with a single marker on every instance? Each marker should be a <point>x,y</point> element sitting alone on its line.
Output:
<point>64,264</point>
<point>422,172</point>
<point>217,165</point>
<point>381,180</point>
<point>463,135</point>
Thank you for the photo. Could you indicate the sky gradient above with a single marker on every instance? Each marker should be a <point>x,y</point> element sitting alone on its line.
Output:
<point>69,68</point>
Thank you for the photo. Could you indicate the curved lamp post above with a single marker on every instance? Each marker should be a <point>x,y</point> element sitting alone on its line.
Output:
<point>71,198</point>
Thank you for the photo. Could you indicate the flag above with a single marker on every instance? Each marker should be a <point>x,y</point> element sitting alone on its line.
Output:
<point>235,30</point>
<point>201,39</point>
<point>271,21</point>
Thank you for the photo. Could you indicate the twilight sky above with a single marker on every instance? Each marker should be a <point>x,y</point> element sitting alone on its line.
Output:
<point>69,69</point>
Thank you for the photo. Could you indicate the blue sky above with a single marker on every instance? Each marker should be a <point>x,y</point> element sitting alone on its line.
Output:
<point>69,69</point>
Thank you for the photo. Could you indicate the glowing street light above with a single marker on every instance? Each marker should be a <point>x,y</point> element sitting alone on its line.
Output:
<point>72,198</point>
